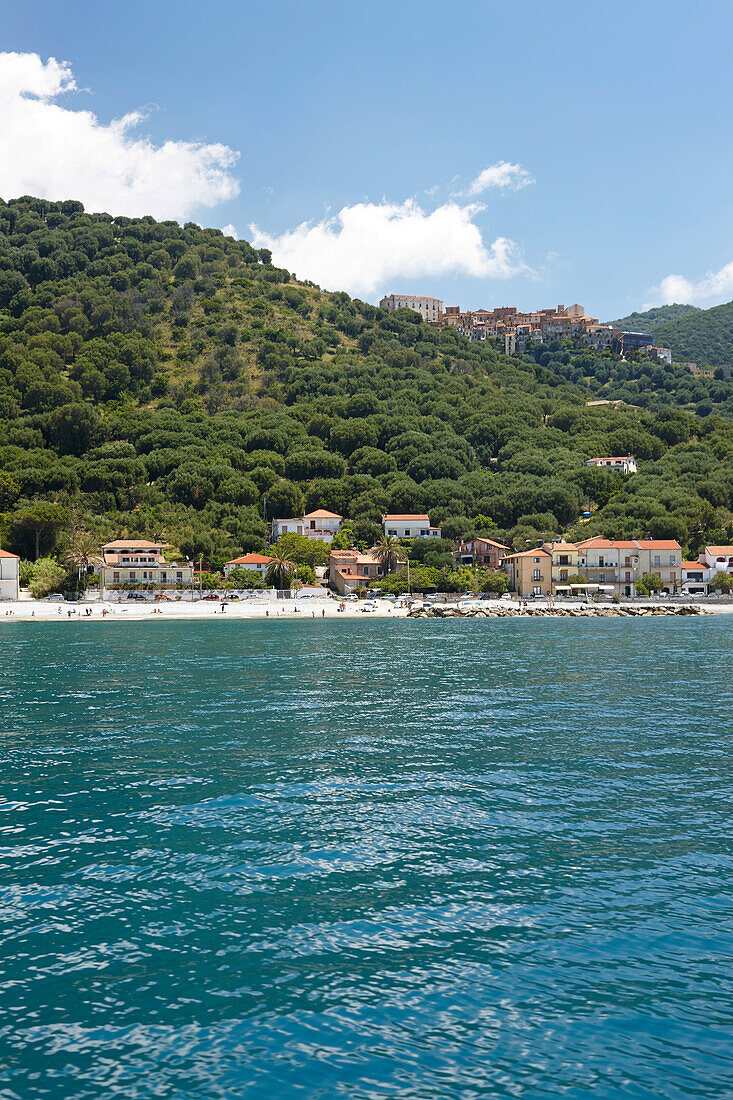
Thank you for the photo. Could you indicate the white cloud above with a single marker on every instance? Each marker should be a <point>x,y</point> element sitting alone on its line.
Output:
<point>501,176</point>
<point>713,288</point>
<point>57,152</point>
<point>230,231</point>
<point>370,245</point>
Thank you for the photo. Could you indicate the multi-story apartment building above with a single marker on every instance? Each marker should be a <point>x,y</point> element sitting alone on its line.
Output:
<point>349,570</point>
<point>564,557</point>
<point>409,526</point>
<point>529,572</point>
<point>484,553</point>
<point>610,562</point>
<point>663,557</point>
<point>430,309</point>
<point>133,562</point>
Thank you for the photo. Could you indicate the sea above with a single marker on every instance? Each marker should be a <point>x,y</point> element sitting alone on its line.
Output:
<point>416,859</point>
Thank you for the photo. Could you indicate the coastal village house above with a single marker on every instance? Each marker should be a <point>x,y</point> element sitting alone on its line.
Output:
<point>610,562</point>
<point>529,572</point>
<point>565,562</point>
<point>409,527</point>
<point>484,553</point>
<point>619,464</point>
<point>694,578</point>
<point>664,558</point>
<point>9,576</point>
<point>320,525</point>
<point>255,563</point>
<point>141,562</point>
<point>349,570</point>
<point>718,559</point>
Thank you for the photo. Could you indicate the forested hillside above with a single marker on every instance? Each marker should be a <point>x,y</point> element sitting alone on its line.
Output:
<point>702,336</point>
<point>158,379</point>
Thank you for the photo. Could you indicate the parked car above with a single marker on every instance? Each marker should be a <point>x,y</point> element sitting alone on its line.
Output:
<point>507,596</point>
<point>136,596</point>
<point>161,596</point>
<point>55,598</point>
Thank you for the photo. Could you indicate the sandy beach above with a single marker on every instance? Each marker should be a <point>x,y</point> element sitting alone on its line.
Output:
<point>312,608</point>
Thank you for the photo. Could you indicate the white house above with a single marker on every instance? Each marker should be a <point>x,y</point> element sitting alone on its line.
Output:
<point>619,464</point>
<point>718,559</point>
<point>320,525</point>
<point>9,582</point>
<point>140,561</point>
<point>694,578</point>
<point>255,563</point>
<point>409,527</point>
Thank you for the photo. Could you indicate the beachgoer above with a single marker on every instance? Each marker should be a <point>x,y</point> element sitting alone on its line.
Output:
<point>323,613</point>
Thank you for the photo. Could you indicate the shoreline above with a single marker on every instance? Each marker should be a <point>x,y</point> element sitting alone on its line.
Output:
<point>96,611</point>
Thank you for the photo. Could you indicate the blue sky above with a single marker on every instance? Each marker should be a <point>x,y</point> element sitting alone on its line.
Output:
<point>343,113</point>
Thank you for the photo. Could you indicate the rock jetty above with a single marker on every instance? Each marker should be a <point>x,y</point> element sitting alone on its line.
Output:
<point>501,612</point>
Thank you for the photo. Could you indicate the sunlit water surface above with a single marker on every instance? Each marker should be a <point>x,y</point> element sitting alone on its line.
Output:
<point>381,859</point>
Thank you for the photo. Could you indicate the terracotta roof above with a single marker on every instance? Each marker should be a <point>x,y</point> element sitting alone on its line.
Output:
<point>251,559</point>
<point>134,544</point>
<point>694,565</point>
<point>7,554</point>
<point>529,553</point>
<point>720,551</point>
<point>613,458</point>
<point>406,518</point>
<point>322,513</point>
<point>598,543</point>
<point>659,544</point>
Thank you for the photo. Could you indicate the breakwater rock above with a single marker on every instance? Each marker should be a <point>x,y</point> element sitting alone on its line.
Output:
<point>498,612</point>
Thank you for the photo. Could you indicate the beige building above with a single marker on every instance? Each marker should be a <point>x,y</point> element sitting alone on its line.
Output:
<point>564,563</point>
<point>135,562</point>
<point>529,572</point>
<point>349,570</point>
<point>9,575</point>
<point>664,558</point>
<point>430,309</point>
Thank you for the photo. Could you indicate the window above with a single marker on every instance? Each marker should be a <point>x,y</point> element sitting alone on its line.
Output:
<point>132,574</point>
<point>179,577</point>
<point>115,578</point>
<point>536,561</point>
<point>536,576</point>
<point>392,531</point>
<point>537,590</point>
<point>163,578</point>
<point>657,559</point>
<point>424,533</point>
<point>601,578</point>
<point>563,574</point>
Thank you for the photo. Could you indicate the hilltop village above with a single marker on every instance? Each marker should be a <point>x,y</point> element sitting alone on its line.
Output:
<point>517,330</point>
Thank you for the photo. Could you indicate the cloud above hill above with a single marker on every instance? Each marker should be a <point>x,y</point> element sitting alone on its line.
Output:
<point>714,287</point>
<point>55,151</point>
<point>367,246</point>
<point>501,176</point>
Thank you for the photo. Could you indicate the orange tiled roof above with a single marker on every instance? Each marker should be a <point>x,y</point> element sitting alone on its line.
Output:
<point>251,559</point>
<point>7,554</point>
<point>406,518</point>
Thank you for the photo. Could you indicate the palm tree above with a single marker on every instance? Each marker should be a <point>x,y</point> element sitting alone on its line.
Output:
<point>280,572</point>
<point>81,552</point>
<point>389,553</point>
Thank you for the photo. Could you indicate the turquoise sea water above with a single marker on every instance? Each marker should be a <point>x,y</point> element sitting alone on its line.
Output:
<point>382,859</point>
